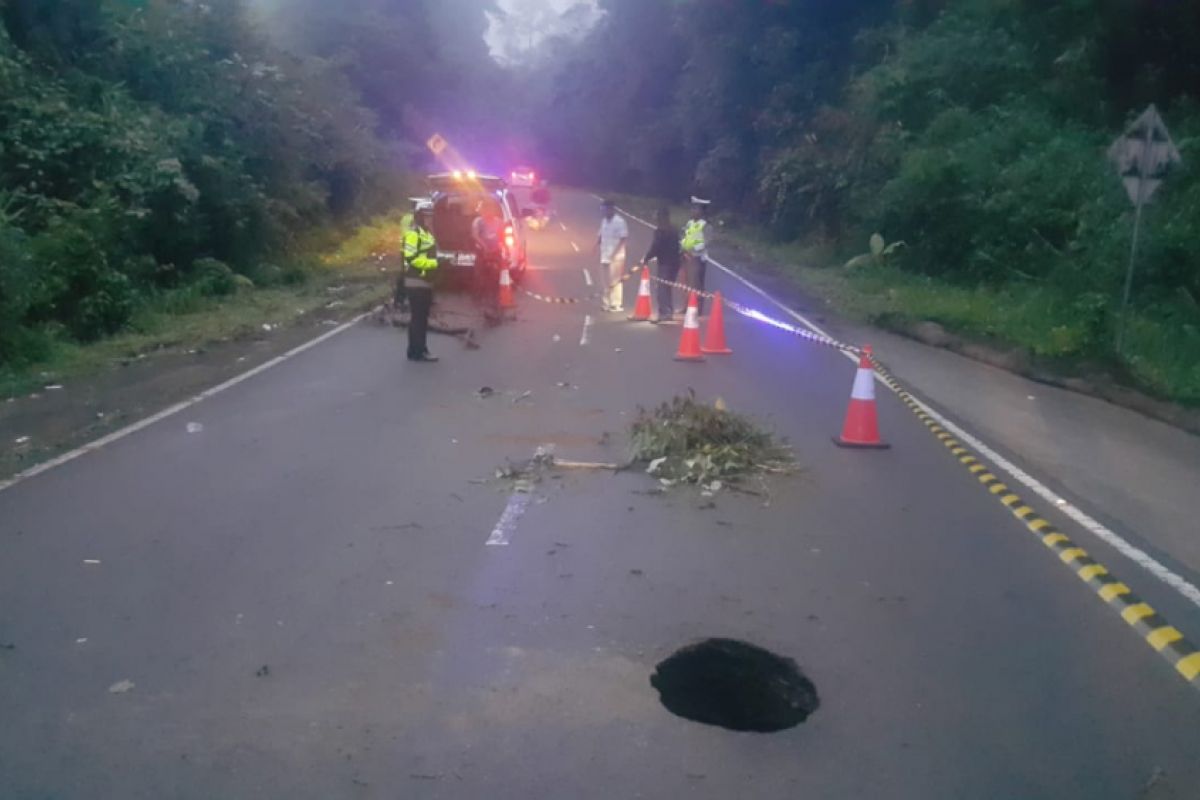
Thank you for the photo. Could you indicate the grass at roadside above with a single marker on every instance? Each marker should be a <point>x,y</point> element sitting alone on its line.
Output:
<point>1162,352</point>
<point>185,321</point>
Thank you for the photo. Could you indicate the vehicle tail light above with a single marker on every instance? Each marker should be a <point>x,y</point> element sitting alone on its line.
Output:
<point>509,238</point>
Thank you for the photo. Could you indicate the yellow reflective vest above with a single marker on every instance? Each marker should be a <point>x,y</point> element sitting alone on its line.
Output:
<point>693,236</point>
<point>420,251</point>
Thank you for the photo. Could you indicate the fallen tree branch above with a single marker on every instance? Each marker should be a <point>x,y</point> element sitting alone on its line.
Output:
<point>589,465</point>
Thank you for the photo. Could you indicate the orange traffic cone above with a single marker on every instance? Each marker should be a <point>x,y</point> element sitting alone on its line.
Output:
<point>714,334</point>
<point>861,429</point>
<point>506,290</point>
<point>641,310</point>
<point>689,342</point>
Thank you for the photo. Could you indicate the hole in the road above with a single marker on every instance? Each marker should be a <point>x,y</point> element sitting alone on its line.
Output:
<point>735,685</point>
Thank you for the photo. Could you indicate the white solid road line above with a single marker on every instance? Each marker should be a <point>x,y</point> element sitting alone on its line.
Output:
<point>1134,553</point>
<point>103,441</point>
<point>587,328</point>
<point>518,502</point>
<point>587,276</point>
<point>507,524</point>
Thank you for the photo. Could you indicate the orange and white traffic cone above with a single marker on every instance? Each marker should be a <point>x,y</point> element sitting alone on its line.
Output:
<point>861,429</point>
<point>642,310</point>
<point>506,290</point>
<point>714,334</point>
<point>689,342</point>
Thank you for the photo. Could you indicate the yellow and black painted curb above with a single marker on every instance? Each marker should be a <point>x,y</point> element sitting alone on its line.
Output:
<point>1164,638</point>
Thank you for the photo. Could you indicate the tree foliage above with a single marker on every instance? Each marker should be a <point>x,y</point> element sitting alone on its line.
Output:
<point>974,131</point>
<point>141,139</point>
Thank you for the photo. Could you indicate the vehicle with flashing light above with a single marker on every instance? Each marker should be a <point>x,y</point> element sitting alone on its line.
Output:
<point>461,196</point>
<point>525,177</point>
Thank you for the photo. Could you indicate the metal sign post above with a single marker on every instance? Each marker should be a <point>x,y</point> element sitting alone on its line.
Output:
<point>1142,156</point>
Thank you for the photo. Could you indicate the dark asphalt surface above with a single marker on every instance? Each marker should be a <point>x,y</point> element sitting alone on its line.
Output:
<point>329,523</point>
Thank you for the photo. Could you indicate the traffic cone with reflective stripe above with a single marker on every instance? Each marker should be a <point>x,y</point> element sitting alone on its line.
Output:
<point>506,290</point>
<point>689,342</point>
<point>642,310</point>
<point>714,334</point>
<point>861,428</point>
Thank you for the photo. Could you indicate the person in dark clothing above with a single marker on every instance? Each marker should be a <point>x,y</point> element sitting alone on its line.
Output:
<point>665,248</point>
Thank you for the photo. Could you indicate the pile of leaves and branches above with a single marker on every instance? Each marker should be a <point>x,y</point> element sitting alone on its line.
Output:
<point>686,441</point>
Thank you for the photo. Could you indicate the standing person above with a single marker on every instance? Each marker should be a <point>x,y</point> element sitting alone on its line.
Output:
<point>694,245</point>
<point>665,248</point>
<point>612,241</point>
<point>400,299</point>
<point>420,258</point>
<point>487,231</point>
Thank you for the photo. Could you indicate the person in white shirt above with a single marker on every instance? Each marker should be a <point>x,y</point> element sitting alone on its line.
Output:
<point>612,241</point>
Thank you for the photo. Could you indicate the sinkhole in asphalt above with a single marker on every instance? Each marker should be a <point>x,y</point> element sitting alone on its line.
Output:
<point>735,685</point>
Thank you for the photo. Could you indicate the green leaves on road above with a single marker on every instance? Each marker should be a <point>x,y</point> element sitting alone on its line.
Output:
<point>686,441</point>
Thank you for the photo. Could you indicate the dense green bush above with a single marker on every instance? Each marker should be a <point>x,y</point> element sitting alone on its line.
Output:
<point>146,148</point>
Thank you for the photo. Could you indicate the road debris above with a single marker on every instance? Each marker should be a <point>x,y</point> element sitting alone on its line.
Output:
<point>7,646</point>
<point>54,387</point>
<point>194,427</point>
<point>263,672</point>
<point>21,440</point>
<point>485,392</point>
<point>81,640</point>
<point>586,465</point>
<point>121,687</point>
<point>92,562</point>
<point>685,441</point>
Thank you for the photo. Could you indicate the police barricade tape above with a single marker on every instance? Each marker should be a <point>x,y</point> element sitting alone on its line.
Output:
<point>567,301</point>
<point>802,333</point>
<point>758,316</point>
<point>683,286</point>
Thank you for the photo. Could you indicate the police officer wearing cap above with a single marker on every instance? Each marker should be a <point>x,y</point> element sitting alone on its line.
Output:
<point>420,258</point>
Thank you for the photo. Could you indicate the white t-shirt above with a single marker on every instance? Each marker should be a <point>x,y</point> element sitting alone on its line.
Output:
<point>612,231</point>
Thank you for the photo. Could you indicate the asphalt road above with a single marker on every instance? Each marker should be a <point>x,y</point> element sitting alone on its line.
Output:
<point>329,520</point>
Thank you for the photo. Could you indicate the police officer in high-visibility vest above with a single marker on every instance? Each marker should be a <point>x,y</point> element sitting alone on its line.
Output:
<point>400,298</point>
<point>420,258</point>
<point>694,245</point>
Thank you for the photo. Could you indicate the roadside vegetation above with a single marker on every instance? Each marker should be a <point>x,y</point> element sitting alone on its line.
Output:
<point>168,177</point>
<point>975,132</point>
